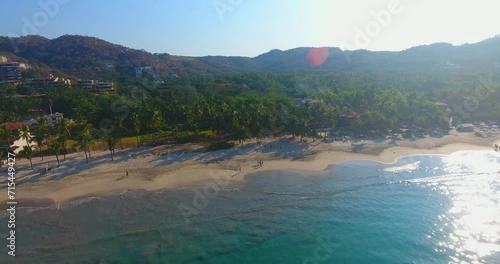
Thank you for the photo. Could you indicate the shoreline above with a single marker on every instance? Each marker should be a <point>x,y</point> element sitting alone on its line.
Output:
<point>185,168</point>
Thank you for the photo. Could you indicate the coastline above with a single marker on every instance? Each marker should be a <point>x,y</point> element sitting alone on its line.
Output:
<point>187,166</point>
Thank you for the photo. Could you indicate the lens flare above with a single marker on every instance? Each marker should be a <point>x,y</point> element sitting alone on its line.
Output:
<point>317,56</point>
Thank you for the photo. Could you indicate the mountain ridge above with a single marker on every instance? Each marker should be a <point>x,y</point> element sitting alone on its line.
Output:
<point>84,57</point>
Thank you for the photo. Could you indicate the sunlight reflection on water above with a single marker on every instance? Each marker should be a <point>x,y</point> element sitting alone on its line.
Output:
<point>473,220</point>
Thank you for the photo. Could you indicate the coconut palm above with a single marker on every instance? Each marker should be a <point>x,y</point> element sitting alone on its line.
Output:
<point>41,133</point>
<point>24,134</point>
<point>86,129</point>
<point>83,141</point>
<point>64,132</point>
<point>110,142</point>
<point>155,123</point>
<point>119,123</point>
<point>27,152</point>
<point>56,146</point>
<point>137,127</point>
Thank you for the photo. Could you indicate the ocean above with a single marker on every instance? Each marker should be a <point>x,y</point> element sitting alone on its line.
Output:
<point>421,209</point>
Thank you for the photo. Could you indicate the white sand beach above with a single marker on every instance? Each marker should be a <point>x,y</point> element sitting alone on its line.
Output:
<point>176,166</point>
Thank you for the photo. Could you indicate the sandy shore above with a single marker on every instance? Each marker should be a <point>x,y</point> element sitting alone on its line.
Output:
<point>189,165</point>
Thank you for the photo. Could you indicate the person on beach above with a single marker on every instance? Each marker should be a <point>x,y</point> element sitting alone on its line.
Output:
<point>126,172</point>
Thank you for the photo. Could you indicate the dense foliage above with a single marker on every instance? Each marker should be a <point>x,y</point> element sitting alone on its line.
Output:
<point>239,106</point>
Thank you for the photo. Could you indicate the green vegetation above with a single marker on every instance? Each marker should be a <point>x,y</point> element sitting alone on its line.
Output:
<point>215,99</point>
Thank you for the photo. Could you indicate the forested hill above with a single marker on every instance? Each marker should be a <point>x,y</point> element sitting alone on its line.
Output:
<point>88,57</point>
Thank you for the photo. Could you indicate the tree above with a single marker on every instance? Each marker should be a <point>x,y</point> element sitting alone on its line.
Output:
<point>24,134</point>
<point>41,133</point>
<point>5,136</point>
<point>86,130</point>
<point>155,123</point>
<point>56,146</point>
<point>110,142</point>
<point>137,127</point>
<point>64,132</point>
<point>83,141</point>
<point>240,134</point>
<point>119,123</point>
<point>27,152</point>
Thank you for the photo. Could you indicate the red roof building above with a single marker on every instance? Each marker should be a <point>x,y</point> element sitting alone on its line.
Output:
<point>12,126</point>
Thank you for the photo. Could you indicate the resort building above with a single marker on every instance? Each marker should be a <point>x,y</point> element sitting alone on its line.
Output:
<point>39,84</point>
<point>101,87</point>
<point>86,84</point>
<point>106,87</point>
<point>10,72</point>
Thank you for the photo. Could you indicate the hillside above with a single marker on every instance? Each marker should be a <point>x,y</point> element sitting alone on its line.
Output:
<point>82,57</point>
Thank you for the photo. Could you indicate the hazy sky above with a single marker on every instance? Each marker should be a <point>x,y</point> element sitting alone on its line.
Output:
<point>252,27</point>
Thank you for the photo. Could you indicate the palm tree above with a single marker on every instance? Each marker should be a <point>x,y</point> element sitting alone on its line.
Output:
<point>41,133</point>
<point>5,136</point>
<point>24,134</point>
<point>155,124</point>
<point>119,123</point>
<point>56,146</point>
<point>64,132</point>
<point>83,141</point>
<point>87,130</point>
<point>137,127</point>
<point>27,152</point>
<point>110,142</point>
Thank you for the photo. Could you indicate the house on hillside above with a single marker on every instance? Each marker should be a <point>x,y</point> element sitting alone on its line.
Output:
<point>40,84</point>
<point>54,117</point>
<point>86,84</point>
<point>106,87</point>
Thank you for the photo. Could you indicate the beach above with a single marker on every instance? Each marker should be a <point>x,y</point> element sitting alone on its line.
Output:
<point>188,165</point>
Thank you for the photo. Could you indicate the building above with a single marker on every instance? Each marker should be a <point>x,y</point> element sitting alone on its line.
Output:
<point>39,84</point>
<point>106,87</point>
<point>101,87</point>
<point>10,72</point>
<point>346,118</point>
<point>36,112</point>
<point>86,84</point>
<point>465,128</point>
<point>54,117</point>
<point>15,144</point>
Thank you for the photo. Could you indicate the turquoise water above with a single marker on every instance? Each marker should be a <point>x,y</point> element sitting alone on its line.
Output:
<point>422,209</point>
